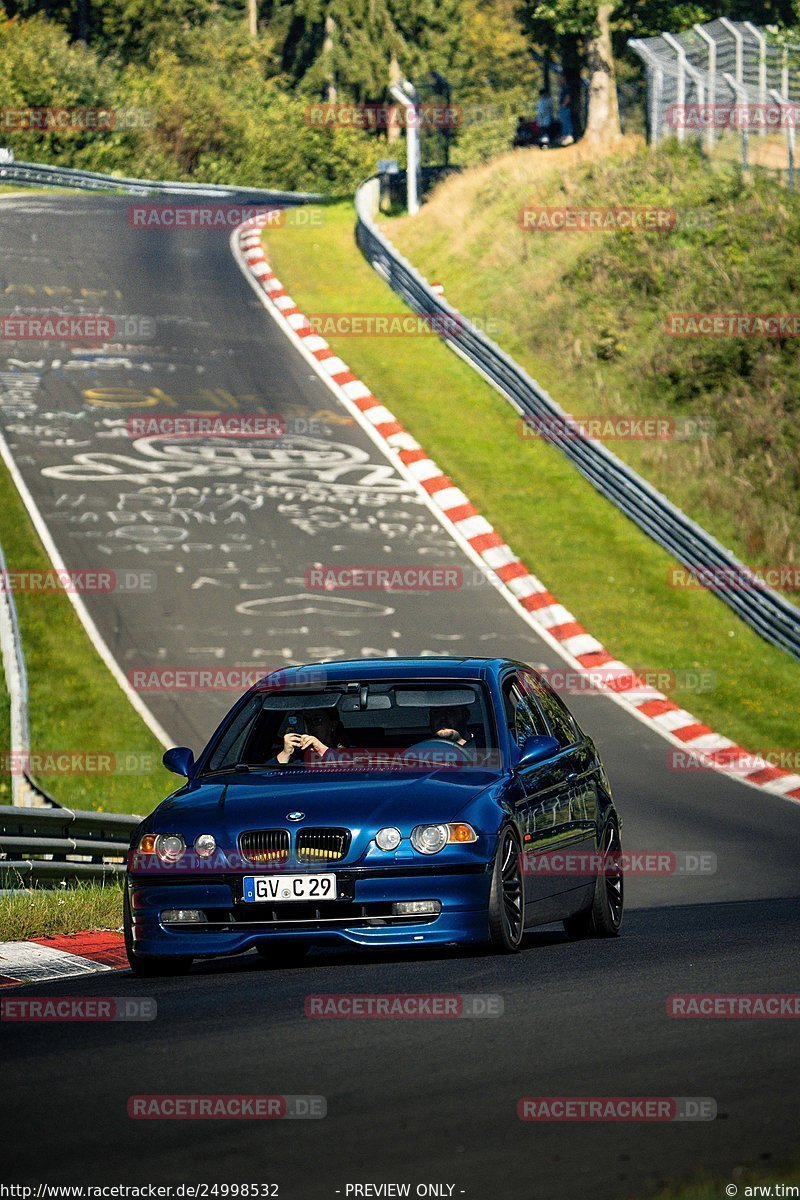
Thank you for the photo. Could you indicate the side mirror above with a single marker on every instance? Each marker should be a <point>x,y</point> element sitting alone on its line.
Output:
<point>537,748</point>
<point>179,760</point>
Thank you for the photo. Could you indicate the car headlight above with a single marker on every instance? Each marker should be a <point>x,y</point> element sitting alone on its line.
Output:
<point>388,839</point>
<point>205,845</point>
<point>170,847</point>
<point>429,839</point>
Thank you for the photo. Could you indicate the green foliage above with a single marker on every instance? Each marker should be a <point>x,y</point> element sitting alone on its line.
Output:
<point>213,110</point>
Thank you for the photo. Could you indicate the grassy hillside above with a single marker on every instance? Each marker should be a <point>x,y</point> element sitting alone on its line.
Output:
<point>597,562</point>
<point>586,313</point>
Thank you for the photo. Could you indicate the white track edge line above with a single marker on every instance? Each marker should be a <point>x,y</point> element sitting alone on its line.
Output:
<point>92,632</point>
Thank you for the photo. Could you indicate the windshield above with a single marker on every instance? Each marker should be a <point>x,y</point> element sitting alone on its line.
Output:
<point>361,726</point>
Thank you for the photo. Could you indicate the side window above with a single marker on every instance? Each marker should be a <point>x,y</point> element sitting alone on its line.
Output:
<point>522,715</point>
<point>560,720</point>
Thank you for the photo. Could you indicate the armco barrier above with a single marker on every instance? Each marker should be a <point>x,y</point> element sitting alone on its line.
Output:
<point>767,612</point>
<point>58,845</point>
<point>42,175</point>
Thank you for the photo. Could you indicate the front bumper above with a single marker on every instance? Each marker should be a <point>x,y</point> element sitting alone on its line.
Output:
<point>364,919</point>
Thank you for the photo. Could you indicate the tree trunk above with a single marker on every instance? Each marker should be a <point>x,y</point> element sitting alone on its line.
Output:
<point>602,125</point>
<point>83,21</point>
<point>327,55</point>
<point>252,18</point>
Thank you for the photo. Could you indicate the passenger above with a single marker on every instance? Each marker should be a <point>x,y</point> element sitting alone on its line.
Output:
<point>324,733</point>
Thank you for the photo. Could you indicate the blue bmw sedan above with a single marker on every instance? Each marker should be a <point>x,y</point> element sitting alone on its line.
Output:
<point>378,802</point>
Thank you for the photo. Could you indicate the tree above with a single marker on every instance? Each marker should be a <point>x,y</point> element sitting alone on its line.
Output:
<point>585,36</point>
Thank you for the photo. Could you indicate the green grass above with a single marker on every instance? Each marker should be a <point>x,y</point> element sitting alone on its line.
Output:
<point>586,314</point>
<point>597,563</point>
<point>75,704</point>
<point>44,913</point>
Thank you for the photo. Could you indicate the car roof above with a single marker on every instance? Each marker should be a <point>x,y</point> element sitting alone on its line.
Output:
<point>423,667</point>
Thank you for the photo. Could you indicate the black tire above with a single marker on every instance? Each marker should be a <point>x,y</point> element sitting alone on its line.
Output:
<point>282,954</point>
<point>603,918</point>
<point>146,965</point>
<point>507,896</point>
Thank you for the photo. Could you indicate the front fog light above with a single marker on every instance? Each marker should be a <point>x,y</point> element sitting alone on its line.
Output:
<point>388,839</point>
<point>170,846</point>
<point>417,908</point>
<point>183,916</point>
<point>430,839</point>
<point>205,845</point>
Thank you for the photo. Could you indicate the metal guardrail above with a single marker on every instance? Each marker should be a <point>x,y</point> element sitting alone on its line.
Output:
<point>43,175</point>
<point>58,845</point>
<point>16,677</point>
<point>764,610</point>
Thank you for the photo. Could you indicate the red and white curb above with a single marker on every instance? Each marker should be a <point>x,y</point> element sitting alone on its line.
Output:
<point>60,957</point>
<point>524,591</point>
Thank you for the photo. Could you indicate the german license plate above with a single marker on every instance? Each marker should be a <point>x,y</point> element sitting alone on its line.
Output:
<point>260,889</point>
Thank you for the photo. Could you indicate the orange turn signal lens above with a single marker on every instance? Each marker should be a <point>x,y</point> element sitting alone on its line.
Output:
<point>147,845</point>
<point>462,833</point>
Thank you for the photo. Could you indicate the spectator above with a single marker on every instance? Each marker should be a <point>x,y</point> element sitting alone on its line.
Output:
<point>565,115</point>
<point>544,116</point>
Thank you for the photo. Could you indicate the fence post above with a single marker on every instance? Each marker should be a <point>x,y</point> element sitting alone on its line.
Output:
<point>737,91</point>
<point>711,130</point>
<point>762,72</point>
<point>781,100</point>
<point>688,69</point>
<point>739,42</point>
<point>681,97</point>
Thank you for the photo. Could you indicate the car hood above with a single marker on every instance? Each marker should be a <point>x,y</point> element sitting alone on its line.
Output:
<point>237,802</point>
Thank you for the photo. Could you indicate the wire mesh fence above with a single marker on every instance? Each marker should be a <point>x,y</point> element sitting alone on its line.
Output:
<point>731,85</point>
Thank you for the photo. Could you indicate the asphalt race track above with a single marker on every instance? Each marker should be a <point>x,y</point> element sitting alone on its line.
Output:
<point>227,532</point>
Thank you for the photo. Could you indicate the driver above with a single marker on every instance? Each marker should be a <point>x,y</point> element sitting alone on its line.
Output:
<point>451,722</point>
<point>325,731</point>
